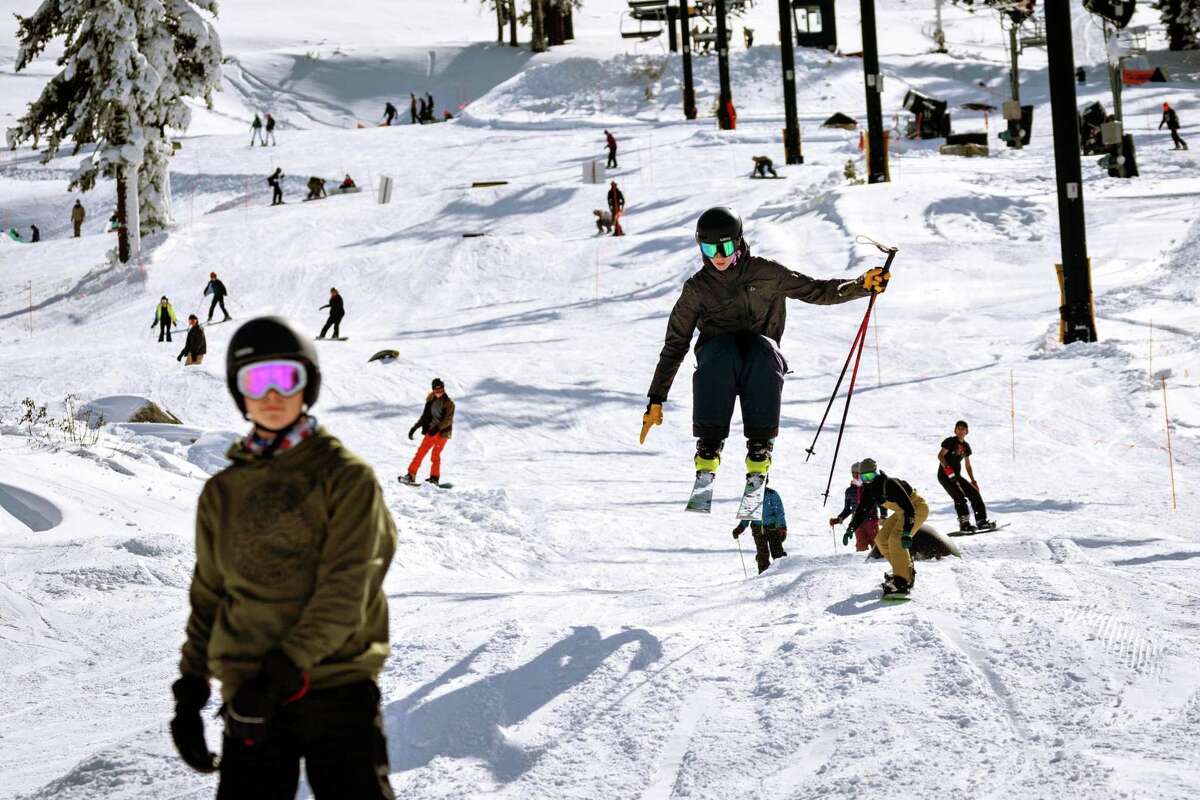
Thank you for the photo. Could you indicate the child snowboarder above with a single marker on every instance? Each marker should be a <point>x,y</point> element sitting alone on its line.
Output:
<point>955,452</point>
<point>195,346</point>
<point>337,310</point>
<point>738,303</point>
<point>288,612</point>
<point>895,535</point>
<point>1171,120</point>
<point>164,318</point>
<point>769,534</point>
<point>868,529</point>
<point>217,289</point>
<point>436,424</point>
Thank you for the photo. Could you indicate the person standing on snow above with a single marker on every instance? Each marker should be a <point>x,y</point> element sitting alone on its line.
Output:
<point>275,181</point>
<point>256,132</point>
<point>337,310</point>
<point>389,113</point>
<point>616,206</point>
<point>77,217</point>
<point>219,293</point>
<point>1171,120</point>
<point>868,529</point>
<point>437,424</point>
<point>196,345</point>
<point>895,535</point>
<point>412,108</point>
<point>164,318</point>
<point>429,108</point>
<point>35,234</point>
<point>288,611</point>
<point>611,144</point>
<point>738,303</point>
<point>270,131</point>
<point>954,453</point>
<point>769,534</point>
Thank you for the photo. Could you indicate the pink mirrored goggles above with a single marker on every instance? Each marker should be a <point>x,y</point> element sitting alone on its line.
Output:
<point>284,376</point>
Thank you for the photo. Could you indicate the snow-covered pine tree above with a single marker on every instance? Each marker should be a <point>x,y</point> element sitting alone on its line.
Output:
<point>127,66</point>
<point>1182,18</point>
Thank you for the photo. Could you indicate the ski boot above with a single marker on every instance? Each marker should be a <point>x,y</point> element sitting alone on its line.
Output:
<point>758,456</point>
<point>432,479</point>
<point>409,478</point>
<point>896,589</point>
<point>708,455</point>
<point>983,524</point>
<point>965,526</point>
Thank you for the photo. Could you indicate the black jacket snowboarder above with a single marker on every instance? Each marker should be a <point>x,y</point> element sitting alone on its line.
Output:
<point>895,534</point>
<point>275,181</point>
<point>954,454</point>
<point>1171,120</point>
<point>195,346</point>
<point>270,134</point>
<point>35,235</point>
<point>763,165</point>
<point>389,114</point>
<point>337,310</point>
<point>219,293</point>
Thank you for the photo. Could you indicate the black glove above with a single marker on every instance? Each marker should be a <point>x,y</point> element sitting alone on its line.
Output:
<point>187,728</point>
<point>179,357</point>
<point>279,681</point>
<point>413,430</point>
<point>152,324</point>
<point>847,536</point>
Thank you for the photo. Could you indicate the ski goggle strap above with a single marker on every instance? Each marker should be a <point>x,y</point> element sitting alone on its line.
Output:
<point>867,477</point>
<point>284,376</point>
<point>725,247</point>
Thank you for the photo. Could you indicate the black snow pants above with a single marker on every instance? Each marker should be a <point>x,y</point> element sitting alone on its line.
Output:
<point>961,491</point>
<point>336,323</point>
<point>746,367</point>
<point>164,327</point>
<point>339,734</point>
<point>612,158</point>
<point>218,299</point>
<point>1180,144</point>
<point>276,194</point>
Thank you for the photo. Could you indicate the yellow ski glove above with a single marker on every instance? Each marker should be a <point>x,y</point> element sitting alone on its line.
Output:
<point>876,280</point>
<point>653,416</point>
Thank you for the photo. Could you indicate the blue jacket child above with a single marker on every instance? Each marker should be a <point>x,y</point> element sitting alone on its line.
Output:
<point>768,534</point>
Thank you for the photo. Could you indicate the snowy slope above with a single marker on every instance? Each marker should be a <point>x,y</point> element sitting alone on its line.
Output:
<point>561,629</point>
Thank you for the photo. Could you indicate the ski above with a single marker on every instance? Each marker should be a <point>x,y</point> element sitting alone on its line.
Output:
<point>752,497</point>
<point>702,493</point>
<point>331,339</point>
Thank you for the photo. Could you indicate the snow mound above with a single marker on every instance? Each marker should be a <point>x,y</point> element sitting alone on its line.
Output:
<point>32,510</point>
<point>126,408</point>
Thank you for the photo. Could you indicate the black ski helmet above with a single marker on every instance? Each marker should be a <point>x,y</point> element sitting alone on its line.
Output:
<point>263,339</point>
<point>718,224</point>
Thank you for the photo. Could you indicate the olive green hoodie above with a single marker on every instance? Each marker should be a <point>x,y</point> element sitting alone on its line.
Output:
<point>291,552</point>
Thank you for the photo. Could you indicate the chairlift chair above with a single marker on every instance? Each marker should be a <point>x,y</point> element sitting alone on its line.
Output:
<point>1036,37</point>
<point>643,19</point>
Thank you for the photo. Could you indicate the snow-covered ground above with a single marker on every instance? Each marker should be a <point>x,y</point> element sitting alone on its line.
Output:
<point>561,629</point>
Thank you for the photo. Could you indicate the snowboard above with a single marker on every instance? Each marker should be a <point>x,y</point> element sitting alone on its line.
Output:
<point>702,493</point>
<point>415,484</point>
<point>331,338</point>
<point>767,177</point>
<point>895,598</point>
<point>752,497</point>
<point>977,532</point>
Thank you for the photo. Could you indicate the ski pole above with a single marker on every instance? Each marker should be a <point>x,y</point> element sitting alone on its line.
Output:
<point>743,558</point>
<point>833,532</point>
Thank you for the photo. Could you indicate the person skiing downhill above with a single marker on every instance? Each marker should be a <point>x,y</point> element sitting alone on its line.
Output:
<point>436,424</point>
<point>164,318</point>
<point>275,181</point>
<point>868,529</point>
<point>288,612</point>
<point>955,452</point>
<point>1171,119</point>
<point>337,310</point>
<point>895,535</point>
<point>769,534</point>
<point>219,293</point>
<point>738,303</point>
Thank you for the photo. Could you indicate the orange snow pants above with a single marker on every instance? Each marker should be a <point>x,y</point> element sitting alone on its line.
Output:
<point>432,442</point>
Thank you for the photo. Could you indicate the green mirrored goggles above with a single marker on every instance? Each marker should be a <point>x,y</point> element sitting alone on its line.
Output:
<point>867,477</point>
<point>722,248</point>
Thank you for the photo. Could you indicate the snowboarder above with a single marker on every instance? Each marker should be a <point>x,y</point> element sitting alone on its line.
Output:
<point>429,108</point>
<point>1171,120</point>
<point>436,424</point>
<point>738,303</point>
<point>769,534</point>
<point>270,131</point>
<point>195,346</point>
<point>868,529</point>
<point>35,234</point>
<point>895,535</point>
<point>337,310</point>
<point>316,188</point>
<point>611,144</point>
<point>256,131</point>
<point>423,113</point>
<point>412,108</point>
<point>604,220</point>
<point>77,217</point>
<point>616,206</point>
<point>389,113</point>
<point>348,183</point>
<point>763,165</point>
<point>164,318</point>
<point>275,181</point>
<point>219,293</point>
<point>288,611</point>
<point>955,452</point>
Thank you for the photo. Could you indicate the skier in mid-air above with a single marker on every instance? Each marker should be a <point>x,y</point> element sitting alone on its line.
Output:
<point>738,303</point>
<point>288,610</point>
<point>769,534</point>
<point>896,533</point>
<point>955,453</point>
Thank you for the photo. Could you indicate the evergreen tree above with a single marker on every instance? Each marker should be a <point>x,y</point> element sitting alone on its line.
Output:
<point>1182,18</point>
<point>126,68</point>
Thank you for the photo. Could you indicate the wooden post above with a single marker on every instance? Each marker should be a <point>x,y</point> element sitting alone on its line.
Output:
<point>1170,451</point>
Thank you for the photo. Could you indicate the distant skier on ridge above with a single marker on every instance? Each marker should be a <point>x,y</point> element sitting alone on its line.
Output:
<point>738,303</point>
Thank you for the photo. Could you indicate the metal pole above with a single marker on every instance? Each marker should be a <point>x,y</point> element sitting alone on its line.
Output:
<point>1078,323</point>
<point>939,36</point>
<point>672,38</point>
<point>685,36</point>
<point>726,100</point>
<point>1114,74</point>
<point>791,129</point>
<point>1014,82</point>
<point>877,163</point>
